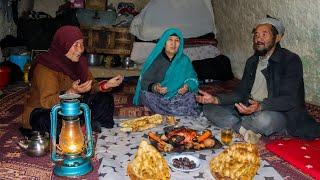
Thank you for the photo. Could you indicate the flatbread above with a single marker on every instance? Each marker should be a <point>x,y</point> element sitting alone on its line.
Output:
<point>141,123</point>
<point>148,164</point>
<point>239,161</point>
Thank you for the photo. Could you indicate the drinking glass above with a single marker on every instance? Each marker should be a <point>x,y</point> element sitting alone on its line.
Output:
<point>171,120</point>
<point>226,136</point>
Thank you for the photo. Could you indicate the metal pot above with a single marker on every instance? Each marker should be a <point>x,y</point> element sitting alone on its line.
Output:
<point>37,145</point>
<point>126,62</point>
<point>95,59</point>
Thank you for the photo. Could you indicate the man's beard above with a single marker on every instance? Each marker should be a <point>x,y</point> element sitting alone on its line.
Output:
<point>262,52</point>
<point>265,50</point>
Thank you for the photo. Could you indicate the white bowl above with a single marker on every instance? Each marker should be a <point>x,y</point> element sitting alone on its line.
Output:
<point>189,156</point>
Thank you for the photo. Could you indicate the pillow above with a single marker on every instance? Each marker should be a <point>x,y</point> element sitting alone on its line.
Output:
<point>140,51</point>
<point>201,52</point>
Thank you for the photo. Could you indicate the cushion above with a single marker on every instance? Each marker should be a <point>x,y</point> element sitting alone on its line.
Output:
<point>140,51</point>
<point>201,52</point>
<point>303,154</point>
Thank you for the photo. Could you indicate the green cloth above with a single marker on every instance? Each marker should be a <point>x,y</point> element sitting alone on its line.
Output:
<point>180,71</point>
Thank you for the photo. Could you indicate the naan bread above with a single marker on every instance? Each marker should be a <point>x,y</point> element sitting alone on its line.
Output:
<point>148,164</point>
<point>141,123</point>
<point>239,161</point>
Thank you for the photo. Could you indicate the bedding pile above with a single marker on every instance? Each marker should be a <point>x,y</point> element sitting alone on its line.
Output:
<point>157,16</point>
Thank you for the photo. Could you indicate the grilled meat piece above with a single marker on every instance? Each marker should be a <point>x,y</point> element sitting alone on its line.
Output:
<point>186,135</point>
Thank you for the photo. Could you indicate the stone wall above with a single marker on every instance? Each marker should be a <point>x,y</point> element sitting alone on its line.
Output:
<point>235,20</point>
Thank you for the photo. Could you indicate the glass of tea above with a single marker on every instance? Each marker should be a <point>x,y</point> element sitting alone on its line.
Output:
<point>171,120</point>
<point>226,136</point>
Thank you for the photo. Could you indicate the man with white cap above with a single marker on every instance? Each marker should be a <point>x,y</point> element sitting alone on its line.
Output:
<point>270,96</point>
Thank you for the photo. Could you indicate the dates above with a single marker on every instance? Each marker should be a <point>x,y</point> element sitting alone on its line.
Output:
<point>183,163</point>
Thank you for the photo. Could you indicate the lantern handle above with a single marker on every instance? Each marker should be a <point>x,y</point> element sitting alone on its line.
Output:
<point>53,134</point>
<point>87,115</point>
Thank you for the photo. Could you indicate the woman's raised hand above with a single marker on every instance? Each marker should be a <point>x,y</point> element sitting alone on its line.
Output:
<point>80,88</point>
<point>159,89</point>
<point>114,82</point>
<point>183,89</point>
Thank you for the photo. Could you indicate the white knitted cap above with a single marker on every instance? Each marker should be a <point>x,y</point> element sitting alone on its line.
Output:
<point>274,22</point>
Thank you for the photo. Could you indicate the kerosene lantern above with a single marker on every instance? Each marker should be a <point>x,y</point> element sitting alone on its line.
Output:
<point>76,150</point>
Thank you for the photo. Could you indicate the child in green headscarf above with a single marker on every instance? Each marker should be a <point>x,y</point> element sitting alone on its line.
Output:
<point>168,82</point>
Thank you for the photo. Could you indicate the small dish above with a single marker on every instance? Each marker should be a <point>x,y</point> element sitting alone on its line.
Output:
<point>189,156</point>
<point>69,96</point>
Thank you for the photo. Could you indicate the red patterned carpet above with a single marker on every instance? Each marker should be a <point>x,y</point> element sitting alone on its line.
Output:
<point>15,164</point>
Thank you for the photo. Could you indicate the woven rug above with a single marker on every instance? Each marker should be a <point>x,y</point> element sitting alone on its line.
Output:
<point>14,163</point>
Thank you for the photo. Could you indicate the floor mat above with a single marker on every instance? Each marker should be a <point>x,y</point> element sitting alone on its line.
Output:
<point>302,154</point>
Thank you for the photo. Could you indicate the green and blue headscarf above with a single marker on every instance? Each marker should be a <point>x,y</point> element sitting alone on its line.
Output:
<point>180,71</point>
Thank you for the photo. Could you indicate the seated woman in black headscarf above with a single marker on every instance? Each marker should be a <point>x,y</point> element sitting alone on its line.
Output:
<point>64,69</point>
<point>168,82</point>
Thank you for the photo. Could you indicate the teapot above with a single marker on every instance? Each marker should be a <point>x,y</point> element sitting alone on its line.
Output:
<point>37,145</point>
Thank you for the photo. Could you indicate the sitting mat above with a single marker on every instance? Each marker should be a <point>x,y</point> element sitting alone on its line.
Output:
<point>302,154</point>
